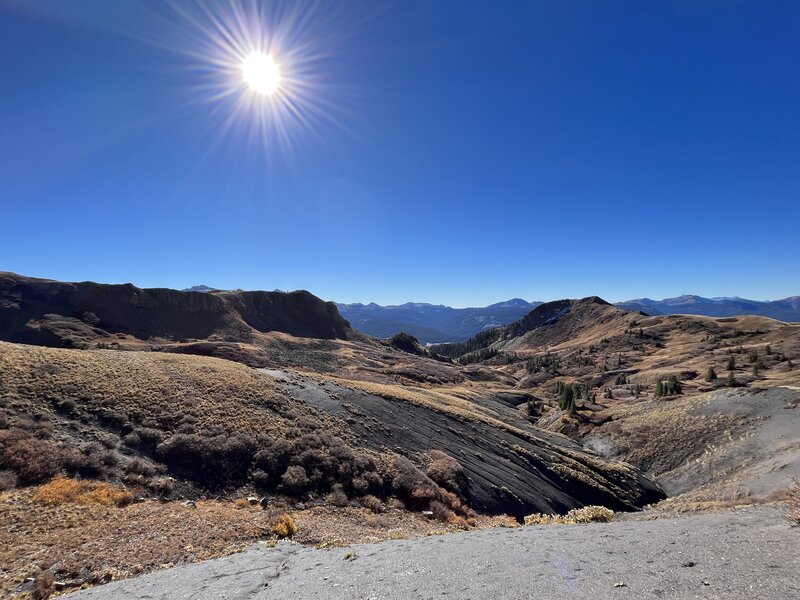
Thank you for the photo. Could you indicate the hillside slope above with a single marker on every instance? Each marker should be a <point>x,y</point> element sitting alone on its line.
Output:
<point>122,399</point>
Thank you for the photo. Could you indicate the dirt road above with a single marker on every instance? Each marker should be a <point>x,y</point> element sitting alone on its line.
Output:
<point>748,553</point>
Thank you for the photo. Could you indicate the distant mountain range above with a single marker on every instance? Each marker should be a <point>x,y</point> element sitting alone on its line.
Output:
<point>787,309</point>
<point>434,323</point>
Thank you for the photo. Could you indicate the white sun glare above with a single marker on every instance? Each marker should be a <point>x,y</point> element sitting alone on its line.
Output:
<point>261,73</point>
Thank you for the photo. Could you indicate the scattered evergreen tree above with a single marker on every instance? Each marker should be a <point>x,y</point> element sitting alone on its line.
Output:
<point>711,374</point>
<point>731,363</point>
<point>670,387</point>
<point>731,380</point>
<point>756,369</point>
<point>769,349</point>
<point>673,386</point>
<point>534,407</point>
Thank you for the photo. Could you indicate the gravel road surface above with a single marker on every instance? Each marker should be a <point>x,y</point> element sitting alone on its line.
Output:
<point>747,553</point>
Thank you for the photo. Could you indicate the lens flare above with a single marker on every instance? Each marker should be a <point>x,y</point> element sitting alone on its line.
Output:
<point>267,77</point>
<point>261,73</point>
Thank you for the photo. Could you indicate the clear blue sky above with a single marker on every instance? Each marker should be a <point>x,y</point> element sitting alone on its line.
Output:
<point>449,152</point>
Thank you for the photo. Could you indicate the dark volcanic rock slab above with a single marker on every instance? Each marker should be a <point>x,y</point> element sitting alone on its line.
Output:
<point>516,470</point>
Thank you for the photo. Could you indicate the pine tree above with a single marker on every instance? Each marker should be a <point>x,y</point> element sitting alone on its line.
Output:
<point>756,369</point>
<point>711,375</point>
<point>731,379</point>
<point>731,363</point>
<point>659,389</point>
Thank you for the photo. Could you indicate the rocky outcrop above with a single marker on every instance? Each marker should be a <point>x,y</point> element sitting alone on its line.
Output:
<point>52,313</point>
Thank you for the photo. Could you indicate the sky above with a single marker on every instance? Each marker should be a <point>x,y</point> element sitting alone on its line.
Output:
<point>458,153</point>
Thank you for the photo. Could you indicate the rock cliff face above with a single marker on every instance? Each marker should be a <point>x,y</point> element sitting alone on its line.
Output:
<point>52,313</point>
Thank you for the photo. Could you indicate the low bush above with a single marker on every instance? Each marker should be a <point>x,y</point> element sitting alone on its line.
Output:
<point>587,514</point>
<point>44,586</point>
<point>32,459</point>
<point>211,461</point>
<point>140,467</point>
<point>372,503</point>
<point>412,486</point>
<point>63,490</point>
<point>284,526</point>
<point>338,497</point>
<point>163,486</point>
<point>446,471</point>
<point>8,480</point>
<point>295,481</point>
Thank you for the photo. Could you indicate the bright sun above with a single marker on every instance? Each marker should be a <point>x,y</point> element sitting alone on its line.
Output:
<point>261,73</point>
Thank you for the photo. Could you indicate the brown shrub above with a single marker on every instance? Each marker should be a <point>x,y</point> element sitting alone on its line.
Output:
<point>396,504</point>
<point>441,512</point>
<point>8,480</point>
<point>338,497</point>
<point>44,586</point>
<point>213,459</point>
<point>285,526</point>
<point>63,490</point>
<point>32,459</point>
<point>412,486</point>
<point>295,480</point>
<point>457,506</point>
<point>140,467</point>
<point>446,471</point>
<point>372,503</point>
<point>163,486</point>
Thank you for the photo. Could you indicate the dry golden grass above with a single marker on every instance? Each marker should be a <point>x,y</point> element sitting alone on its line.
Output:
<point>644,432</point>
<point>114,543</point>
<point>588,514</point>
<point>161,387</point>
<point>63,490</point>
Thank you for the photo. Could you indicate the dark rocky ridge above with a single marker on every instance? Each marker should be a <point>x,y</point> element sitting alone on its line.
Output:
<point>52,313</point>
<point>516,470</point>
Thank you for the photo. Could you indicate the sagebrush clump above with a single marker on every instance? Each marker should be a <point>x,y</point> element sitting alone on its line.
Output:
<point>587,514</point>
<point>285,526</point>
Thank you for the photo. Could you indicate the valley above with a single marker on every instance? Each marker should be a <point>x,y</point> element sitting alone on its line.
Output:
<point>230,418</point>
